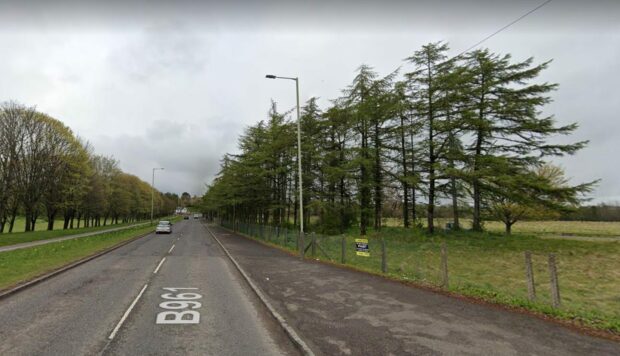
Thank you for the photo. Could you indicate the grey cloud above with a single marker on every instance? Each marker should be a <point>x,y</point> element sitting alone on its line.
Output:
<point>173,84</point>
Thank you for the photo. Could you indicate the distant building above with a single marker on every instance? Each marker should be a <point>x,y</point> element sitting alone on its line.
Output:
<point>181,211</point>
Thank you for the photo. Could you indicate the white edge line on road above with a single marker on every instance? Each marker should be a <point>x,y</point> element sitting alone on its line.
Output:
<point>171,248</point>
<point>120,323</point>
<point>287,328</point>
<point>159,265</point>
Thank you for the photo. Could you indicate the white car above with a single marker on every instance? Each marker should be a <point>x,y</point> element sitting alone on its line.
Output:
<point>163,227</point>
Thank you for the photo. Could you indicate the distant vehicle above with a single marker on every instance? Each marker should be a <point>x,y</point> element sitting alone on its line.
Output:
<point>164,227</point>
<point>197,216</point>
<point>186,217</point>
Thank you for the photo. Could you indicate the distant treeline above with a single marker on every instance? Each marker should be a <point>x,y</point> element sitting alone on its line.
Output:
<point>462,129</point>
<point>602,212</point>
<point>46,171</point>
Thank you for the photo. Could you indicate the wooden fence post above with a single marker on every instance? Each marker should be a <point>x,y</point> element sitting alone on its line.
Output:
<point>343,250</point>
<point>529,277</point>
<point>313,244</point>
<point>444,265</point>
<point>553,276</point>
<point>383,256</point>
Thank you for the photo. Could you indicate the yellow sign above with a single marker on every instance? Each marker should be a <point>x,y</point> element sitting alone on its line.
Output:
<point>361,247</point>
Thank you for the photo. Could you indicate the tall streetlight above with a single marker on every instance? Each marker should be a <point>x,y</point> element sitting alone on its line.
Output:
<point>301,195</point>
<point>153,191</point>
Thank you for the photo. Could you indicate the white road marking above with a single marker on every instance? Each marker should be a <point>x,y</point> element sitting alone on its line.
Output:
<point>174,305</point>
<point>159,265</point>
<point>120,323</point>
<point>171,248</point>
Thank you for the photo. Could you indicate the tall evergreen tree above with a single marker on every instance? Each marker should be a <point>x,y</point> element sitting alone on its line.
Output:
<point>509,130</point>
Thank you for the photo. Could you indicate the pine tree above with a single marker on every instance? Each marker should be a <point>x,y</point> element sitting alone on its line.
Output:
<point>509,131</point>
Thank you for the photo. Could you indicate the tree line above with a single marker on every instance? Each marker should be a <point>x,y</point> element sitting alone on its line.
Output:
<point>468,132</point>
<point>47,172</point>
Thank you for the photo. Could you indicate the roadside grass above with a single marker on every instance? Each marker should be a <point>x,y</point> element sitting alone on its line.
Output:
<point>22,265</point>
<point>491,266</point>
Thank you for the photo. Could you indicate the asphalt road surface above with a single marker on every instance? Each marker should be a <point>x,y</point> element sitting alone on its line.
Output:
<point>132,301</point>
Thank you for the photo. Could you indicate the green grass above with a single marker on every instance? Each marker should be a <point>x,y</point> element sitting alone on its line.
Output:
<point>21,237</point>
<point>491,266</point>
<point>41,224</point>
<point>22,265</point>
<point>551,227</point>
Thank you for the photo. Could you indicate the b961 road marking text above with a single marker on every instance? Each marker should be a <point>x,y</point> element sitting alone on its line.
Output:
<point>177,301</point>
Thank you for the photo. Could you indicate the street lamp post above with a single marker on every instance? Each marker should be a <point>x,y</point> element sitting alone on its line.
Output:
<point>153,191</point>
<point>301,196</point>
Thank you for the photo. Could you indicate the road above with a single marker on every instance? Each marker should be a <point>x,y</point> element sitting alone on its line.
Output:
<point>161,294</point>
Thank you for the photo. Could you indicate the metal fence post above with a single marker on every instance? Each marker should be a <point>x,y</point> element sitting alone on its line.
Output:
<point>529,277</point>
<point>444,265</point>
<point>553,276</point>
<point>383,256</point>
<point>343,250</point>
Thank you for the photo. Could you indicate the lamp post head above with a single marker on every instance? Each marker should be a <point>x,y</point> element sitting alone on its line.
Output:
<point>270,76</point>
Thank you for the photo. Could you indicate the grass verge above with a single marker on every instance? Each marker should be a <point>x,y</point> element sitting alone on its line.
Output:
<point>22,265</point>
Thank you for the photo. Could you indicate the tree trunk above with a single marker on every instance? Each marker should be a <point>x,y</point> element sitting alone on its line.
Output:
<point>50,220</point>
<point>508,227</point>
<point>12,222</point>
<point>455,205</point>
<point>28,216</point>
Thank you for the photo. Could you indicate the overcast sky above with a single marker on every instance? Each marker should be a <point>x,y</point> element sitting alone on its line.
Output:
<point>173,84</point>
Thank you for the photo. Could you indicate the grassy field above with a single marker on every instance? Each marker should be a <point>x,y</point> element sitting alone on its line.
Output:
<point>21,237</point>
<point>491,266</point>
<point>41,225</point>
<point>21,265</point>
<point>566,228</point>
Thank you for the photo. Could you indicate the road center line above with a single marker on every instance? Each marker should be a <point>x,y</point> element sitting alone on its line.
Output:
<point>159,265</point>
<point>120,323</point>
<point>171,248</point>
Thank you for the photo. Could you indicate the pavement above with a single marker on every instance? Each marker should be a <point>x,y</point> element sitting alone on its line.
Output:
<point>339,311</point>
<point>159,295</point>
<point>68,237</point>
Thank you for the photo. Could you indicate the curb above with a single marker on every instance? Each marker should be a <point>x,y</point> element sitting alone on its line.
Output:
<point>297,341</point>
<point>37,280</point>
